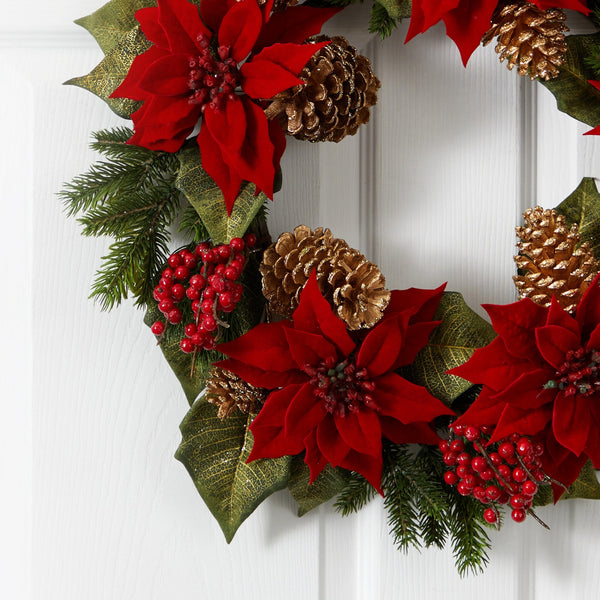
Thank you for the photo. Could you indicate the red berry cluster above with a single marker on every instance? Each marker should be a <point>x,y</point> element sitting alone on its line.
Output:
<point>508,472</point>
<point>206,277</point>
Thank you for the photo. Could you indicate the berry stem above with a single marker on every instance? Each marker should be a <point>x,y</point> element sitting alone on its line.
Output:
<point>481,449</point>
<point>531,512</point>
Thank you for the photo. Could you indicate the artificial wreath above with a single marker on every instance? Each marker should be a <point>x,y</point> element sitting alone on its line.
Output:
<point>302,370</point>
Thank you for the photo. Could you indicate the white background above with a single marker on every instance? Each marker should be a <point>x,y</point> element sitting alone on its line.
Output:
<point>94,506</point>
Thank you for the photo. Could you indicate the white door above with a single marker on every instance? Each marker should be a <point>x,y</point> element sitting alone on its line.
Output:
<point>94,504</point>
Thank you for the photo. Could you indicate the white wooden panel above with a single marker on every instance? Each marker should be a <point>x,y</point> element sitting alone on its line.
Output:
<point>431,190</point>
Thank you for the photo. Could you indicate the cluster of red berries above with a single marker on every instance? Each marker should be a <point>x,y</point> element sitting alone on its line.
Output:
<point>206,277</point>
<point>507,472</point>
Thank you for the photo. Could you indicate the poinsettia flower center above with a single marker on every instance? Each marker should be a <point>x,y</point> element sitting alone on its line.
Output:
<point>342,386</point>
<point>214,75</point>
<point>579,374</point>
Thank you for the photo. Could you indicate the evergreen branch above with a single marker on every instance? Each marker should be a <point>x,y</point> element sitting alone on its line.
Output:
<point>357,493</point>
<point>192,226</point>
<point>381,22</point>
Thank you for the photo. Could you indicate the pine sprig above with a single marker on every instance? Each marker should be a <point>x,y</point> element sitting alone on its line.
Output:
<point>357,494</point>
<point>130,196</point>
<point>381,22</point>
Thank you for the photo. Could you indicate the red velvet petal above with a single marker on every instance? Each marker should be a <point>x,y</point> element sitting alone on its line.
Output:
<point>557,315</point>
<point>213,11</point>
<point>291,57</point>
<point>491,365</point>
<point>414,433</point>
<point>167,76</point>
<point>240,28</point>
<point>228,126</point>
<point>525,422</point>
<point>369,467</point>
<point>332,446</point>
<point>148,20</point>
<point>158,138</point>
<point>263,79</point>
<point>527,391</point>
<point>181,23</point>
<point>415,339</point>
<point>426,13</point>
<point>129,87</point>
<point>270,440</point>
<point>405,401</point>
<point>421,303</point>
<point>571,421</point>
<point>215,164</point>
<point>278,139</point>
<point>567,4</point>
<point>588,310</point>
<point>516,323</point>
<point>257,377</point>
<point>313,458</point>
<point>592,445</point>
<point>382,346</point>
<point>314,315</point>
<point>295,24</point>
<point>361,431</point>
<point>264,346</point>
<point>594,341</point>
<point>554,342</point>
<point>485,410</point>
<point>304,413</point>
<point>309,348</point>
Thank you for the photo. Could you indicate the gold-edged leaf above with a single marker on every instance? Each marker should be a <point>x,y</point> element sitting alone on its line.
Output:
<point>214,452</point>
<point>451,344</point>
<point>329,483</point>
<point>111,72</point>
<point>574,95</point>
<point>206,198</point>
<point>583,208</point>
<point>585,486</point>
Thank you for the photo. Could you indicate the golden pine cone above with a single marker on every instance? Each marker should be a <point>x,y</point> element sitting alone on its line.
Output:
<point>229,392</point>
<point>354,286</point>
<point>340,88</point>
<point>555,261</point>
<point>529,38</point>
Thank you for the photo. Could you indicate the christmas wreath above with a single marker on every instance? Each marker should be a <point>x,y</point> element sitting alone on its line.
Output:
<point>301,369</point>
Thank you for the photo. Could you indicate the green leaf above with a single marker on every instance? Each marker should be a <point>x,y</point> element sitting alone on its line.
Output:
<point>397,9</point>
<point>111,72</point>
<point>583,208</point>
<point>574,95</point>
<point>206,197</point>
<point>328,484</point>
<point>585,486</point>
<point>112,21</point>
<point>460,333</point>
<point>214,452</point>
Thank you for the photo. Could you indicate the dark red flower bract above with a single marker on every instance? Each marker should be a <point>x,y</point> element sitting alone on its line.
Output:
<point>218,64</point>
<point>331,396</point>
<point>541,377</point>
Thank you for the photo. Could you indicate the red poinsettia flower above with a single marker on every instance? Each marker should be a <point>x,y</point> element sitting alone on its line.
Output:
<point>219,64</point>
<point>467,20</point>
<point>333,396</point>
<point>541,377</point>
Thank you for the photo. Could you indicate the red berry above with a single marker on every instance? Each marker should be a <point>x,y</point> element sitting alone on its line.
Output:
<point>187,345</point>
<point>182,273</point>
<point>166,305</point>
<point>444,446</point>
<point>487,475</point>
<point>210,256</point>
<point>209,323</point>
<point>199,338</point>
<point>478,464</point>
<point>197,281</point>
<point>250,240</point>
<point>472,433</point>
<point>209,293</point>
<point>464,459</point>
<point>232,273</point>
<point>203,247</point>
<point>457,445</point>
<point>165,283</point>
<point>159,294</point>
<point>195,306</point>
<point>178,292</point>
<point>529,488</point>
<point>224,251</point>
<point>479,493</point>
<point>167,273</point>
<point>220,269</point>
<point>458,429</point>
<point>492,492</point>
<point>519,475</point>
<point>207,307</point>
<point>490,515</point>
<point>506,450</point>
<point>174,316</point>
<point>524,446</point>
<point>470,481</point>
<point>237,244</point>
<point>225,299</point>
<point>190,261</point>
<point>518,501</point>
<point>486,429</point>
<point>503,498</point>
<point>538,449</point>
<point>518,515</point>
<point>238,262</point>
<point>210,343</point>
<point>190,329</point>
<point>449,458</point>
<point>158,328</point>
<point>463,489</point>
<point>463,471</point>
<point>495,458</point>
<point>175,261</point>
<point>505,472</point>
<point>450,477</point>
<point>193,293</point>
